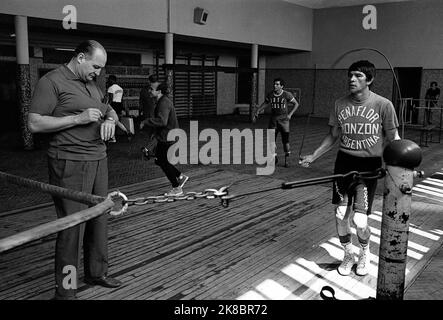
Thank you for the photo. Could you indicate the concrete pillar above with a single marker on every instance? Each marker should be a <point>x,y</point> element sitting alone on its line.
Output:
<point>23,78</point>
<point>254,56</point>
<point>254,79</point>
<point>169,48</point>
<point>169,61</point>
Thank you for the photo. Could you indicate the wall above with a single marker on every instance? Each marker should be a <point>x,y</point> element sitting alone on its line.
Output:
<point>330,84</point>
<point>408,33</point>
<point>226,92</point>
<point>264,22</point>
<point>295,78</point>
<point>245,21</point>
<point>135,14</point>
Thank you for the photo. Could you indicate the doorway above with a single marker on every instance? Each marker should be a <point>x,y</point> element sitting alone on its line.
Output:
<point>244,81</point>
<point>409,80</point>
<point>8,97</point>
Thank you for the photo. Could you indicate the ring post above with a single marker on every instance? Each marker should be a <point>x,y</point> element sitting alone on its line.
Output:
<point>401,157</point>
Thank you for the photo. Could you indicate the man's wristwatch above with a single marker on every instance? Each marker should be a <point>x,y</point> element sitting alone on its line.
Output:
<point>110,119</point>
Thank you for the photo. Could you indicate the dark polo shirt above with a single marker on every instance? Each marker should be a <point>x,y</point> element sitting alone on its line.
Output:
<point>165,119</point>
<point>60,93</point>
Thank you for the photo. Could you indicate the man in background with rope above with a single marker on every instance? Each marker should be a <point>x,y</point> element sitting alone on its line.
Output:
<point>164,120</point>
<point>68,104</point>
<point>362,120</point>
<point>279,100</point>
<point>432,96</point>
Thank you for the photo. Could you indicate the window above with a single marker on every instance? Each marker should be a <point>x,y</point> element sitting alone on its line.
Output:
<point>51,55</point>
<point>123,59</point>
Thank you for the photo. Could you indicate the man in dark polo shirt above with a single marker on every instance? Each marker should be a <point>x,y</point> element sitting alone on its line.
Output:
<point>68,104</point>
<point>164,120</point>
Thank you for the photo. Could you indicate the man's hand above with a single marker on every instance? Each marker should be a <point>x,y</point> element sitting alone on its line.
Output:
<point>255,113</point>
<point>142,125</point>
<point>89,115</point>
<point>107,129</point>
<point>305,161</point>
<point>254,117</point>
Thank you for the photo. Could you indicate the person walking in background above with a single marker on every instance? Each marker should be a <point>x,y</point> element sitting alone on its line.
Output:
<point>114,98</point>
<point>279,100</point>
<point>147,103</point>
<point>164,120</point>
<point>432,96</point>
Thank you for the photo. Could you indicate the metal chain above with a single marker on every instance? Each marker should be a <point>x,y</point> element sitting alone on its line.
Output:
<point>207,194</point>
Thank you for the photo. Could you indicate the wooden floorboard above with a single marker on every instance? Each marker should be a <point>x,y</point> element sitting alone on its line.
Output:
<point>276,245</point>
<point>430,284</point>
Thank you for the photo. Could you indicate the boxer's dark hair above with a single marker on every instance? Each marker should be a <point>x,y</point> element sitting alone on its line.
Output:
<point>364,66</point>
<point>282,82</point>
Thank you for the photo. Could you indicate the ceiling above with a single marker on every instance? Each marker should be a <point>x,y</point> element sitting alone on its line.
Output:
<point>319,4</point>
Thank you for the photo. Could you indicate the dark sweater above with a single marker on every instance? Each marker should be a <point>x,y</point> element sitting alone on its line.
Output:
<point>164,119</point>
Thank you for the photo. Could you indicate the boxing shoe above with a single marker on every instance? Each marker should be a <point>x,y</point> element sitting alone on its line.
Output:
<point>174,192</point>
<point>364,261</point>
<point>348,261</point>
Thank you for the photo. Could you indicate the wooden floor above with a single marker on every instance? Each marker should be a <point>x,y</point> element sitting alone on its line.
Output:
<point>276,245</point>
<point>429,284</point>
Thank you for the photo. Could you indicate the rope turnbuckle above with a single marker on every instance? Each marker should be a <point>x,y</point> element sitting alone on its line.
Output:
<point>122,205</point>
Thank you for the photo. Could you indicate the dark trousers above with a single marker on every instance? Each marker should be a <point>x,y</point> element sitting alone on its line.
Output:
<point>171,172</point>
<point>118,107</point>
<point>90,177</point>
<point>428,111</point>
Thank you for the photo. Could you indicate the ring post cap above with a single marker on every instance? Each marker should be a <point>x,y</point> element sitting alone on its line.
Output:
<point>402,153</point>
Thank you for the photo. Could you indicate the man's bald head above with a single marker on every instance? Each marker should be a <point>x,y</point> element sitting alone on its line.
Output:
<point>88,48</point>
<point>89,58</point>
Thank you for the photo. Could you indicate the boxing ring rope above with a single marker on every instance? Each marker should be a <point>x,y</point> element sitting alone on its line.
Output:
<point>78,196</point>
<point>106,204</point>
<point>101,206</point>
<point>55,226</point>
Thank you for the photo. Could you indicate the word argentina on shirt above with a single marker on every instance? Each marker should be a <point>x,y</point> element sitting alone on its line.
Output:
<point>360,126</point>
